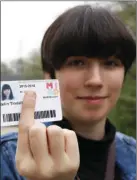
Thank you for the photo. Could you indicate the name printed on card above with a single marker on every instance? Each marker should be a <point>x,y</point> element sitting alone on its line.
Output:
<point>48,103</point>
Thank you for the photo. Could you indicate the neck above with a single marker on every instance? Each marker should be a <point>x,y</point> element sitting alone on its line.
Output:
<point>7,97</point>
<point>94,131</point>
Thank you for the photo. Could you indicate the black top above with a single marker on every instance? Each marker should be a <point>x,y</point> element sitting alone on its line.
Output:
<point>93,154</point>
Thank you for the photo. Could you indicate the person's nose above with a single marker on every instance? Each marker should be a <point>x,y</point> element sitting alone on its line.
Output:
<point>94,76</point>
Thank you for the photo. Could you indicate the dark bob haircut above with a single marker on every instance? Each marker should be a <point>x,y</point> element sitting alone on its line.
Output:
<point>5,87</point>
<point>86,31</point>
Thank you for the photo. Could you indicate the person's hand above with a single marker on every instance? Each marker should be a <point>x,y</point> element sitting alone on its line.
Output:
<point>44,153</point>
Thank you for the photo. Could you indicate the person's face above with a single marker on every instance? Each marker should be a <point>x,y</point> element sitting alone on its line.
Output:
<point>89,87</point>
<point>6,92</point>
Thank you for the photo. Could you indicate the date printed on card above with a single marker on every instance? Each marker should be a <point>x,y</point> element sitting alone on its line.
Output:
<point>48,103</point>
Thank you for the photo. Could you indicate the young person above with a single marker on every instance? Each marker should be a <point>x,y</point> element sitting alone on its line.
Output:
<point>89,50</point>
<point>7,93</point>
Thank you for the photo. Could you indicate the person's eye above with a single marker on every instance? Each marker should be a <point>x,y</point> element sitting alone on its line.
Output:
<point>76,63</point>
<point>112,63</point>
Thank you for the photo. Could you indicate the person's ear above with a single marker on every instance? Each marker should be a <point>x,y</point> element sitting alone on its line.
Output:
<point>47,75</point>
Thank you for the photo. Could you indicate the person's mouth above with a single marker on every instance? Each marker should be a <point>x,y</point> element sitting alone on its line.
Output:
<point>92,99</point>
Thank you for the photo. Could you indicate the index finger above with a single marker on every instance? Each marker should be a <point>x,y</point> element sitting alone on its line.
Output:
<point>25,122</point>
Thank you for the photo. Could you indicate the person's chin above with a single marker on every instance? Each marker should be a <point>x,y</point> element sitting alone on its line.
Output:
<point>93,116</point>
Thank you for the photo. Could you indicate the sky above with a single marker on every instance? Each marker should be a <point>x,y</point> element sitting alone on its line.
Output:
<point>23,25</point>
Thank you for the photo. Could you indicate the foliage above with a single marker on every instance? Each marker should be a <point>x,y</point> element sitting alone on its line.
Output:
<point>32,67</point>
<point>5,69</point>
<point>124,114</point>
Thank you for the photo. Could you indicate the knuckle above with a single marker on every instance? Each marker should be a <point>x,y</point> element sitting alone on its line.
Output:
<point>74,167</point>
<point>72,133</point>
<point>69,132</point>
<point>18,161</point>
<point>36,129</point>
<point>59,169</point>
<point>45,174</point>
<point>24,127</point>
<point>54,130</point>
<point>21,167</point>
<point>65,169</point>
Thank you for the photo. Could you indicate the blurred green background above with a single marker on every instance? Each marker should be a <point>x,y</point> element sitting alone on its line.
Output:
<point>124,114</point>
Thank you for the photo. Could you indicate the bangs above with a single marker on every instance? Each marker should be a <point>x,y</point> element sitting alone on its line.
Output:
<point>5,86</point>
<point>92,33</point>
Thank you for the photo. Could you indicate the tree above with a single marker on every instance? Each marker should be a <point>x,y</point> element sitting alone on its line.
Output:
<point>128,14</point>
<point>5,69</point>
<point>124,114</point>
<point>28,68</point>
<point>32,66</point>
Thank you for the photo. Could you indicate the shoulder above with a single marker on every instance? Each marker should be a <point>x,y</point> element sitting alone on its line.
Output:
<point>125,140</point>
<point>8,146</point>
<point>8,137</point>
<point>126,155</point>
<point>8,143</point>
<point>126,144</point>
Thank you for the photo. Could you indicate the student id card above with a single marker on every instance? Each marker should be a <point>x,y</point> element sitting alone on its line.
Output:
<point>48,103</point>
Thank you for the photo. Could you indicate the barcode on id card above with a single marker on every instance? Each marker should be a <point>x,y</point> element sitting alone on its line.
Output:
<point>14,117</point>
